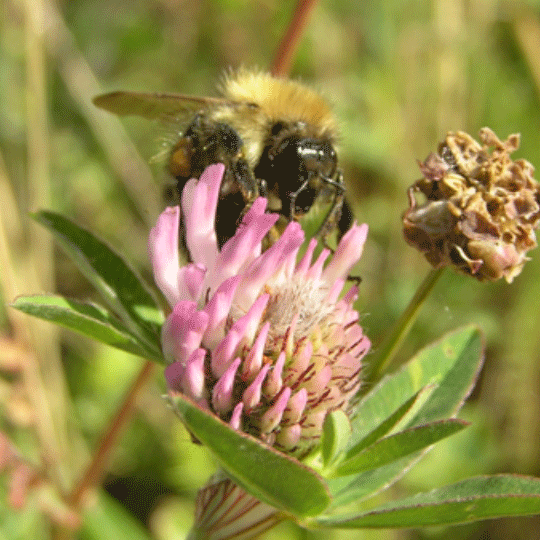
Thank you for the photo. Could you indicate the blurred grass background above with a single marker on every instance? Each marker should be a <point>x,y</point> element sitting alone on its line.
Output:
<point>400,73</point>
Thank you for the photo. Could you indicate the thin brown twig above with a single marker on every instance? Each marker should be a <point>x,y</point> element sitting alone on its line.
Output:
<point>289,44</point>
<point>95,470</point>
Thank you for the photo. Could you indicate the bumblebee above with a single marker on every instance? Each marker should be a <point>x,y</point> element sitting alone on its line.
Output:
<point>276,138</point>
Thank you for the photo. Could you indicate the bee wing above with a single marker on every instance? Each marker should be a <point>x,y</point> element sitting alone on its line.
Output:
<point>155,105</point>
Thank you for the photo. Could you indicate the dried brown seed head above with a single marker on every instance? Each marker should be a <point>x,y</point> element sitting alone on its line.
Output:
<point>480,208</point>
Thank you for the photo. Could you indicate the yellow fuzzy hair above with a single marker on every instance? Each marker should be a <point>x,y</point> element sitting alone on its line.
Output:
<point>281,99</point>
<point>278,100</point>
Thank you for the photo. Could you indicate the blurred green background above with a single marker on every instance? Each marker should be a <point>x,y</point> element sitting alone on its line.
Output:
<point>400,74</point>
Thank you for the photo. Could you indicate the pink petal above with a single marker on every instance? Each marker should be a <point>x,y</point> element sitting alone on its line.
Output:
<point>245,245</point>
<point>320,381</point>
<point>257,209</point>
<point>253,362</point>
<point>351,296</point>
<point>236,418</point>
<point>295,407</point>
<point>199,203</point>
<point>302,360</point>
<point>253,318</point>
<point>194,378</point>
<point>346,366</point>
<point>303,265</point>
<point>223,354</point>
<point>272,417</point>
<point>218,309</point>
<point>360,347</point>
<point>347,254</point>
<point>289,436</point>
<point>252,394</point>
<point>174,374</point>
<point>315,271</point>
<point>335,291</point>
<point>289,344</point>
<point>268,264</point>
<point>222,393</point>
<point>183,330</point>
<point>163,251</point>
<point>241,332</point>
<point>190,281</point>
<point>274,382</point>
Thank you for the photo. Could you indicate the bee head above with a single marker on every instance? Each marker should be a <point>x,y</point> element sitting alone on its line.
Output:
<point>297,167</point>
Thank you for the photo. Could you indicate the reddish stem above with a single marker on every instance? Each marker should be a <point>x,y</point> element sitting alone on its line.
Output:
<point>95,470</point>
<point>289,44</point>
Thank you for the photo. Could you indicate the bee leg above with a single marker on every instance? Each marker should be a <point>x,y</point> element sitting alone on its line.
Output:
<point>263,188</point>
<point>246,180</point>
<point>337,184</point>
<point>293,197</point>
<point>333,217</point>
<point>336,213</point>
<point>356,280</point>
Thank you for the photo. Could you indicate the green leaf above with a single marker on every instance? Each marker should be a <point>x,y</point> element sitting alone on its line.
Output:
<point>450,394</point>
<point>474,499</point>
<point>461,349</point>
<point>348,489</point>
<point>120,287</point>
<point>269,475</point>
<point>335,435</point>
<point>390,423</point>
<point>451,365</point>
<point>88,319</point>
<point>399,445</point>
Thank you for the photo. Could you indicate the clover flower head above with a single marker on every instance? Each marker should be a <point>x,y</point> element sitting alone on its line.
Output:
<point>262,340</point>
<point>480,208</point>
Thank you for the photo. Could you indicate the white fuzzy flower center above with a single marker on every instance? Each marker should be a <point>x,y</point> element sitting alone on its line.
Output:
<point>307,298</point>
